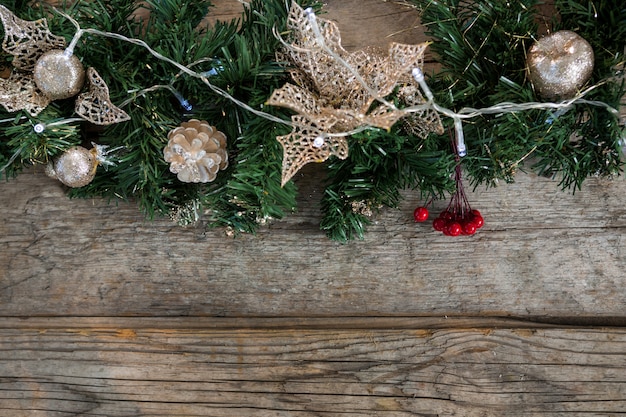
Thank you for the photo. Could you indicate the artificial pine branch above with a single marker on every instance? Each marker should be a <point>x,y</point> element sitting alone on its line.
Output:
<point>482,47</point>
<point>237,56</point>
<point>595,134</point>
<point>380,166</point>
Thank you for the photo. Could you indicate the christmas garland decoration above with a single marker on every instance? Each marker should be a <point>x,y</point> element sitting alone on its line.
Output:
<point>213,122</point>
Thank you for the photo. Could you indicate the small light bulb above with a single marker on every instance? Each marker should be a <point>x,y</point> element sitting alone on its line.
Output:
<point>461,150</point>
<point>319,141</point>
<point>185,104</point>
<point>418,76</point>
<point>39,128</point>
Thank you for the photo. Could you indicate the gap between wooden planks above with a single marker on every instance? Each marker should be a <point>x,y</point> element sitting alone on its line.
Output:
<point>426,323</point>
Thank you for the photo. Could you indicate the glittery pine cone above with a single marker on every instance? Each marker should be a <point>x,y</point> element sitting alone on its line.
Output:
<point>196,151</point>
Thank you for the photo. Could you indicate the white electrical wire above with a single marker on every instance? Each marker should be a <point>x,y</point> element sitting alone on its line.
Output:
<point>430,104</point>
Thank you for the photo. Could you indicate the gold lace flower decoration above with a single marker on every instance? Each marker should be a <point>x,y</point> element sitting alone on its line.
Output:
<point>335,92</point>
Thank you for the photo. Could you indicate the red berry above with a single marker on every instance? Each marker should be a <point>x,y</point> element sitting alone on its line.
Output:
<point>475,213</point>
<point>469,228</point>
<point>420,214</point>
<point>454,229</point>
<point>446,215</point>
<point>478,221</point>
<point>439,224</point>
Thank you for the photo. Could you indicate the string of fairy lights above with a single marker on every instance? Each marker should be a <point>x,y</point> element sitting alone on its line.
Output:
<point>430,104</point>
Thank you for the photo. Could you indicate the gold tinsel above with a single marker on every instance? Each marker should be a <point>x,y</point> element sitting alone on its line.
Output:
<point>334,91</point>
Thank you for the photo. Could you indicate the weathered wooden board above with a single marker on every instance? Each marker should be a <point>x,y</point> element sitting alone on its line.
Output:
<point>374,23</point>
<point>542,254</point>
<point>104,313</point>
<point>475,372</point>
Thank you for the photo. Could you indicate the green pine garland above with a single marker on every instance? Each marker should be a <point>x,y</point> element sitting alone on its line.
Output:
<point>238,57</point>
<point>481,47</point>
<point>380,165</point>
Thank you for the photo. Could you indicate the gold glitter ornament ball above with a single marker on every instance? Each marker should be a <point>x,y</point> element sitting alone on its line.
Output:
<point>75,168</point>
<point>59,75</point>
<point>560,64</point>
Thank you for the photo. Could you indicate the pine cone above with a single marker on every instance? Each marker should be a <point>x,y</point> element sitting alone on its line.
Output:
<point>196,151</point>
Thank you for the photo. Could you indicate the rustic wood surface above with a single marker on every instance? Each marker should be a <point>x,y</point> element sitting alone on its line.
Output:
<point>153,372</point>
<point>104,313</point>
<point>543,255</point>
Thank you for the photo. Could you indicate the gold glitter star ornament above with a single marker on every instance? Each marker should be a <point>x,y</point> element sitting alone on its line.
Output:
<point>335,93</point>
<point>44,71</point>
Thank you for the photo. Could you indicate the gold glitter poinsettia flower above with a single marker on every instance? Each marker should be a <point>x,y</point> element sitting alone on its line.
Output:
<point>44,71</point>
<point>334,92</point>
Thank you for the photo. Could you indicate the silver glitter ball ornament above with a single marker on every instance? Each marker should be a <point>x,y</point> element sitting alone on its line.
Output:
<point>560,64</point>
<point>76,167</point>
<point>59,75</point>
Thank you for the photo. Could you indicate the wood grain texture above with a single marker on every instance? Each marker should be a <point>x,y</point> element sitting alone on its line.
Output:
<point>374,23</point>
<point>104,313</point>
<point>542,254</point>
<point>475,372</point>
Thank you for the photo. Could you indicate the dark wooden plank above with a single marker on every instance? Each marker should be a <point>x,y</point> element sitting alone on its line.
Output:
<point>472,372</point>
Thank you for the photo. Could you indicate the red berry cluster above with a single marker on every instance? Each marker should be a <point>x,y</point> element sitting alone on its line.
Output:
<point>458,223</point>
<point>459,218</point>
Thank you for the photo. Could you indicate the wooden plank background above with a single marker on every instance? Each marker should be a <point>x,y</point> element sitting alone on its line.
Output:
<point>103,313</point>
